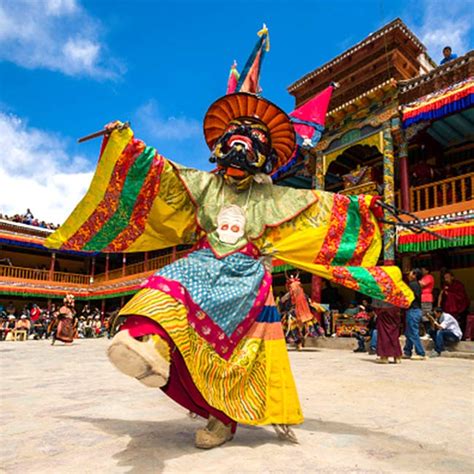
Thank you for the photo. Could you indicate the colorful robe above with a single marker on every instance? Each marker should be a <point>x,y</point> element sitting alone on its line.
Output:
<point>215,306</point>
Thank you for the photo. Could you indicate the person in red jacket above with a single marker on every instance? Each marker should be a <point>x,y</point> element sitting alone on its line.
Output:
<point>454,300</point>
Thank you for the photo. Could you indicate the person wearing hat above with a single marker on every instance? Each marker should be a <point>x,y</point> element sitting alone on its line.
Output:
<point>205,329</point>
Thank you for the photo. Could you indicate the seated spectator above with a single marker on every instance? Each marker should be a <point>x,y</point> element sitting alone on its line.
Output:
<point>9,327</point>
<point>454,299</point>
<point>97,325</point>
<point>80,327</point>
<point>89,327</point>
<point>3,327</point>
<point>352,309</point>
<point>23,324</point>
<point>448,55</point>
<point>444,328</point>
<point>40,328</point>
<point>422,172</point>
<point>370,332</point>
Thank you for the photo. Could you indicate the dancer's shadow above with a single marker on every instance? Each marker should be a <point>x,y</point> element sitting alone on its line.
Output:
<point>152,443</point>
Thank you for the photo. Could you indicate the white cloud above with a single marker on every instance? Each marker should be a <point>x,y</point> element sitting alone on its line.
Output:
<point>170,128</point>
<point>178,138</point>
<point>446,24</point>
<point>37,172</point>
<point>58,35</point>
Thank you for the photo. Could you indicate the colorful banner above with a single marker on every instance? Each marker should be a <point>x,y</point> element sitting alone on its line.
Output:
<point>458,234</point>
<point>434,106</point>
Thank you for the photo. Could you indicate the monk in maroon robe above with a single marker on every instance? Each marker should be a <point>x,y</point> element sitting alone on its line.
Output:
<point>454,300</point>
<point>388,333</point>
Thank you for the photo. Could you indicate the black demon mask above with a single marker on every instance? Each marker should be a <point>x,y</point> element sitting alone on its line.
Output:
<point>244,150</point>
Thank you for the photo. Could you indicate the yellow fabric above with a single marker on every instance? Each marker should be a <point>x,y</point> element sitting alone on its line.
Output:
<point>373,252</point>
<point>118,140</point>
<point>171,220</point>
<point>310,227</point>
<point>255,386</point>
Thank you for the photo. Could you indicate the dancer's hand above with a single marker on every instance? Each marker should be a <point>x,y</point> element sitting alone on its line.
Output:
<point>113,125</point>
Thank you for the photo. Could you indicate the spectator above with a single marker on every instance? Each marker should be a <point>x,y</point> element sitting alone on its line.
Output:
<point>39,327</point>
<point>371,332</point>
<point>388,334</point>
<point>352,309</point>
<point>453,299</point>
<point>89,327</point>
<point>413,319</point>
<point>445,328</point>
<point>448,55</point>
<point>9,326</point>
<point>97,325</point>
<point>422,172</point>
<point>35,312</point>
<point>3,327</point>
<point>23,324</point>
<point>427,285</point>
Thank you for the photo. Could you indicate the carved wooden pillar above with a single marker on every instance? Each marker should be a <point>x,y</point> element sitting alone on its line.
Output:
<point>51,266</point>
<point>92,270</point>
<point>145,261</point>
<point>318,183</point>
<point>124,263</point>
<point>388,196</point>
<point>173,254</point>
<point>107,264</point>
<point>404,178</point>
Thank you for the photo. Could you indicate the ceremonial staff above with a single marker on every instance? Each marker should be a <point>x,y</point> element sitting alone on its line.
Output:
<point>105,131</point>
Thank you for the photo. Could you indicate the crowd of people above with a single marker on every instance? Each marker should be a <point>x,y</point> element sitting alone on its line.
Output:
<point>436,314</point>
<point>440,316</point>
<point>59,322</point>
<point>29,219</point>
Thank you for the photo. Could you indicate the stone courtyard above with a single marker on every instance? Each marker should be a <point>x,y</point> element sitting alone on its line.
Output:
<point>66,410</point>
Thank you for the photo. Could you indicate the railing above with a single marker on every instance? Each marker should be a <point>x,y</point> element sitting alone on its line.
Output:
<point>22,273</point>
<point>141,267</point>
<point>441,193</point>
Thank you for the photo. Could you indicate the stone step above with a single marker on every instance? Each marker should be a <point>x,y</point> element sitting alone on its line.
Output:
<point>458,355</point>
<point>349,343</point>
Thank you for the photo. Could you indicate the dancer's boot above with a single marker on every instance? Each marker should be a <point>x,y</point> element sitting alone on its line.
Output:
<point>213,435</point>
<point>146,360</point>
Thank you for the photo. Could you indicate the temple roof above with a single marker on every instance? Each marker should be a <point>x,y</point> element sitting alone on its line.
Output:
<point>392,52</point>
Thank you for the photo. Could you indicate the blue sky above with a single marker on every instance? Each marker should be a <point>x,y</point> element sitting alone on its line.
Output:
<point>69,66</point>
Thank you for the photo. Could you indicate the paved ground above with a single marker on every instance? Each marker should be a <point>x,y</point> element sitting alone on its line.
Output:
<point>65,410</point>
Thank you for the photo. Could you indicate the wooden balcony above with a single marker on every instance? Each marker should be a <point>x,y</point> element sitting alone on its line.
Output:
<point>21,273</point>
<point>450,193</point>
<point>141,267</point>
<point>16,274</point>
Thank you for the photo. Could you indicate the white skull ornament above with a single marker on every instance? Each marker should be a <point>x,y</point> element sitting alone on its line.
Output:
<point>230,224</point>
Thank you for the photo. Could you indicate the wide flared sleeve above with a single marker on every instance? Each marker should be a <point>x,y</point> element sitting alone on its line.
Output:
<point>338,238</point>
<point>135,203</point>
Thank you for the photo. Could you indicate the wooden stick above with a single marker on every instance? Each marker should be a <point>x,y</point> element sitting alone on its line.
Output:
<point>105,131</point>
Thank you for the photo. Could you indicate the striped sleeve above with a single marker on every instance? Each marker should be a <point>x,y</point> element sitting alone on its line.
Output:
<point>135,203</point>
<point>339,239</point>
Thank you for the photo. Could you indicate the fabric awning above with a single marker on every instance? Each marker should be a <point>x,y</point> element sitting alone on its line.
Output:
<point>437,105</point>
<point>459,232</point>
